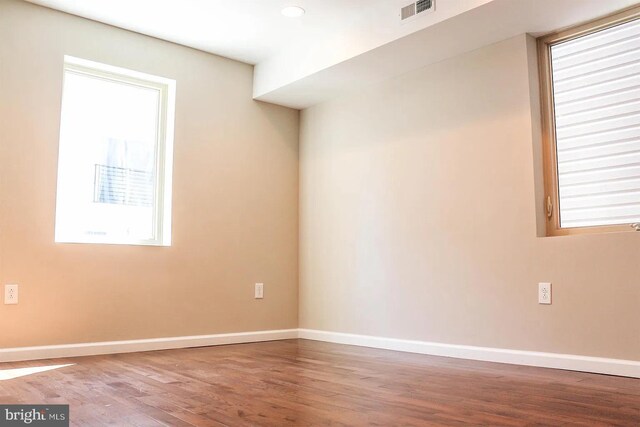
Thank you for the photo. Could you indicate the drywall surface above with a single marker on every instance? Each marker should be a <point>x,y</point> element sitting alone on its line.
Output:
<point>235,197</point>
<point>418,218</point>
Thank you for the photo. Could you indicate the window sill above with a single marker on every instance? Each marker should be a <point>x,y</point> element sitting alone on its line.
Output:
<point>580,231</point>
<point>114,242</point>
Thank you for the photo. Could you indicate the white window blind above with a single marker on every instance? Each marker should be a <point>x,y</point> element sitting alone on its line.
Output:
<point>596,85</point>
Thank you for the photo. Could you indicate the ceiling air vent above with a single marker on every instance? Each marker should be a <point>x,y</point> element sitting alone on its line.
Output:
<point>408,11</point>
<point>423,5</point>
<point>413,9</point>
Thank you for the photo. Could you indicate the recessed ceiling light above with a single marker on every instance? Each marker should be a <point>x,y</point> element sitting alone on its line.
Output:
<point>293,11</point>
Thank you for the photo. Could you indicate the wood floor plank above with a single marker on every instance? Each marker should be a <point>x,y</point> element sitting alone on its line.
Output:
<point>309,383</point>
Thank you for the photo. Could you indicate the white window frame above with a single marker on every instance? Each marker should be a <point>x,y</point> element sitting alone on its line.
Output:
<point>164,147</point>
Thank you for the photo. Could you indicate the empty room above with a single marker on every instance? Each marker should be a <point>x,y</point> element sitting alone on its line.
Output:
<point>319,212</point>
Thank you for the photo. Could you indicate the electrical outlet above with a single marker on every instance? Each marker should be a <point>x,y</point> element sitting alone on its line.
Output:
<point>544,293</point>
<point>259,291</point>
<point>10,294</point>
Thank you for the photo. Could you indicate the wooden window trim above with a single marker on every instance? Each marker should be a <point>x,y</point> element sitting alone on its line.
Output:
<point>549,151</point>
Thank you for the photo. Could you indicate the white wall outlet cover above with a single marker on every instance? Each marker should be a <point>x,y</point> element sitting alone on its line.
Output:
<point>10,294</point>
<point>259,292</point>
<point>544,293</point>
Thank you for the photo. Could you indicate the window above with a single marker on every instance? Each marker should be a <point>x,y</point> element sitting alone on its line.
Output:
<point>590,80</point>
<point>115,159</point>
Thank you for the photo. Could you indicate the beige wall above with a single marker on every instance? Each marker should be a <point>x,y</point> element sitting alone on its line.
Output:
<point>417,209</point>
<point>418,219</point>
<point>235,211</point>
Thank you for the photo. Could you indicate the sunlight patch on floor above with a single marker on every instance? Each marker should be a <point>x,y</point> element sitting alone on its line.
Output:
<point>9,374</point>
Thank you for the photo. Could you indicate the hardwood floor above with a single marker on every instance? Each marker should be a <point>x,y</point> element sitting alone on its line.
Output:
<point>300,382</point>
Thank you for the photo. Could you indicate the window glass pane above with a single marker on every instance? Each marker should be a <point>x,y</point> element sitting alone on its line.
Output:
<point>596,82</point>
<point>108,160</point>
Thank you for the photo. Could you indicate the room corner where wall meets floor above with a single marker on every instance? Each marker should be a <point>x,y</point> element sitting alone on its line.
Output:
<point>571,362</point>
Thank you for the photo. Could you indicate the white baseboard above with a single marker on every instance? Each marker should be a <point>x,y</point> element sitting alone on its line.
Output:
<point>600,365</point>
<point>110,347</point>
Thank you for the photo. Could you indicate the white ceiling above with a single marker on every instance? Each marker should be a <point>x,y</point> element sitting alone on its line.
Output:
<point>245,30</point>
<point>338,45</point>
<point>297,80</point>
